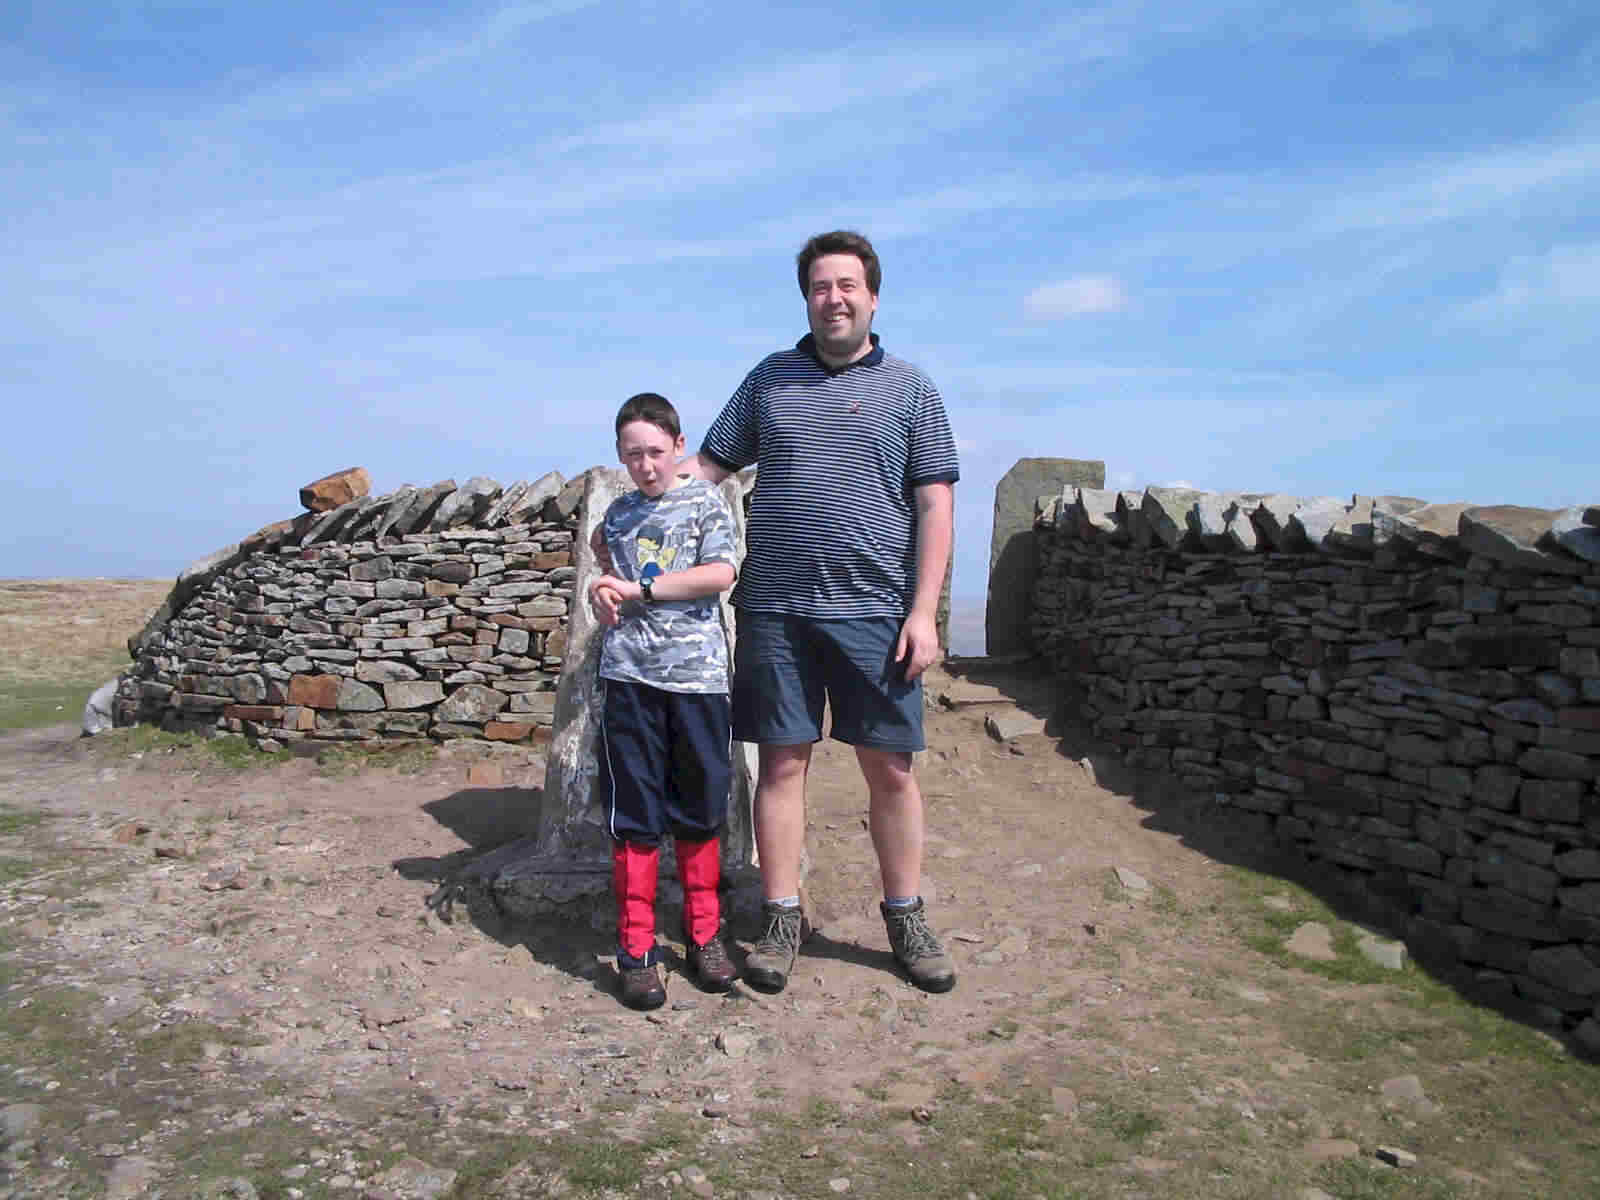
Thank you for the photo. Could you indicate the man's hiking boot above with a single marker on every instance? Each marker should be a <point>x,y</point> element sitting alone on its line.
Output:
<point>713,969</point>
<point>641,987</point>
<point>768,965</point>
<point>917,949</point>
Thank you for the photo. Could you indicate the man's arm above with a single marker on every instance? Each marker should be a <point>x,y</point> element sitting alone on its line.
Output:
<point>919,636</point>
<point>701,465</point>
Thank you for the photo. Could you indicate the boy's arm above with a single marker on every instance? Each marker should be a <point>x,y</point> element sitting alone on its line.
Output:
<point>701,465</point>
<point>707,579</point>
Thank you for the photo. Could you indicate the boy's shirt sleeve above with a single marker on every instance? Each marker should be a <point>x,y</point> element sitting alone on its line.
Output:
<point>622,564</point>
<point>719,541</point>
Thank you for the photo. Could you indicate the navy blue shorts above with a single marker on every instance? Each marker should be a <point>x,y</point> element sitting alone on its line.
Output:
<point>785,667</point>
<point>665,762</point>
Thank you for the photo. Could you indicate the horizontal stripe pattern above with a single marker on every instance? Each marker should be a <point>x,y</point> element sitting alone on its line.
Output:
<point>832,532</point>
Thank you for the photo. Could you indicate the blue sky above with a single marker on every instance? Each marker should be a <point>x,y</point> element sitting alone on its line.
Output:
<point>1313,248</point>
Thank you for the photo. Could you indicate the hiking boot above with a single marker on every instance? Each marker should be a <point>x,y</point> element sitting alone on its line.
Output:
<point>713,969</point>
<point>768,965</point>
<point>917,949</point>
<point>641,987</point>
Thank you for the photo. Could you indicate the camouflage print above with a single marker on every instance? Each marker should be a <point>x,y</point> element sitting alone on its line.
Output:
<point>677,646</point>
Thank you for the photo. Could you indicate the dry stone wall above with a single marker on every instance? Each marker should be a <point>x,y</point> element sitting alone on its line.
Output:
<point>1407,694</point>
<point>431,612</point>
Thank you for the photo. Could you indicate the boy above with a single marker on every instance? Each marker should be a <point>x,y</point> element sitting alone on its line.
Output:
<point>665,762</point>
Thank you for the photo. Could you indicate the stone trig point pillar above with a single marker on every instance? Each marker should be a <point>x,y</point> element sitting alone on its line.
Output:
<point>1011,554</point>
<point>565,868</point>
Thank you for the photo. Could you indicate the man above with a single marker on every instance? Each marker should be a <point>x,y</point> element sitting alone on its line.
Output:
<point>849,535</point>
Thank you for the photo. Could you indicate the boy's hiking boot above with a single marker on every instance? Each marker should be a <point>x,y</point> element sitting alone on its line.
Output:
<point>713,969</point>
<point>641,986</point>
<point>917,949</point>
<point>768,965</point>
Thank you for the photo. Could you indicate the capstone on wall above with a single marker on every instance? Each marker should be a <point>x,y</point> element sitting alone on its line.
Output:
<point>434,612</point>
<point>1406,693</point>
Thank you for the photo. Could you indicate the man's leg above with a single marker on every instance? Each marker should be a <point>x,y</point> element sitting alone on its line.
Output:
<point>780,840</point>
<point>780,812</point>
<point>894,815</point>
<point>895,818</point>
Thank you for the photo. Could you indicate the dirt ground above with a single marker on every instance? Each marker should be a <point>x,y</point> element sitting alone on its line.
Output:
<point>224,980</point>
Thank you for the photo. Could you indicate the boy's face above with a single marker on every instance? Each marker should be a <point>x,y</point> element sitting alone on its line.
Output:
<point>651,455</point>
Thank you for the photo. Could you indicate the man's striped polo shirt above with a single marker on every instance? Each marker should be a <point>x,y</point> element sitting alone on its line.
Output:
<point>833,519</point>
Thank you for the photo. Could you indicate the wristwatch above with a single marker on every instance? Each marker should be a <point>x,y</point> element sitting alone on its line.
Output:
<point>647,588</point>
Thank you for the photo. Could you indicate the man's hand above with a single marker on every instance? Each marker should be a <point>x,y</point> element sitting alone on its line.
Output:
<point>918,646</point>
<point>602,552</point>
<point>608,594</point>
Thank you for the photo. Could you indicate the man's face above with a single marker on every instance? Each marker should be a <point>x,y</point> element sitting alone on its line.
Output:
<point>839,308</point>
<point>651,455</point>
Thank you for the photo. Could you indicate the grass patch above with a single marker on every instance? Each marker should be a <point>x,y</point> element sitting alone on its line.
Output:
<point>1125,1124</point>
<point>14,869</point>
<point>341,760</point>
<point>191,749</point>
<point>12,821</point>
<point>30,705</point>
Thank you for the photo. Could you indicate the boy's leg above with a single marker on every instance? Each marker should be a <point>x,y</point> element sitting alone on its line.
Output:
<point>633,764</point>
<point>697,808</point>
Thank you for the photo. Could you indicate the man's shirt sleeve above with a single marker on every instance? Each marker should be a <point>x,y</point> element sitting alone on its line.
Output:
<point>734,440</point>
<point>933,446</point>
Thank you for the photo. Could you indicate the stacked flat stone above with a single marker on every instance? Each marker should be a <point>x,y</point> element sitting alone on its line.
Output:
<point>1406,693</point>
<point>431,612</point>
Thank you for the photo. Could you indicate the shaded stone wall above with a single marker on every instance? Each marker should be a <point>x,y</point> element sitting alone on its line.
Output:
<point>437,612</point>
<point>1406,694</point>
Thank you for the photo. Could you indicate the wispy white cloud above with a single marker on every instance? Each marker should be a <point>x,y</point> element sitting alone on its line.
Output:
<point>1082,295</point>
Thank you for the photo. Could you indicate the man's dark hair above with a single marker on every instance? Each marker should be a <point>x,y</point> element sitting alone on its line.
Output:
<point>840,241</point>
<point>657,410</point>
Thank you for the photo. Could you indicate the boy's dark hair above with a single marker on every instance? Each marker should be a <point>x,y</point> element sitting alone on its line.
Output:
<point>840,241</point>
<point>657,410</point>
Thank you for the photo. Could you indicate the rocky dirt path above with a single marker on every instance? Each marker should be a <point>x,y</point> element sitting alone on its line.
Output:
<point>226,982</point>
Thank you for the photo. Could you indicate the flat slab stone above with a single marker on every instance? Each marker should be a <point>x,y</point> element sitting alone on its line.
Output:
<point>1012,563</point>
<point>1166,511</point>
<point>339,488</point>
<point>1510,534</point>
<point>1312,940</point>
<point>1004,726</point>
<point>1314,519</point>
<point>1430,529</point>
<point>1574,532</point>
<point>1094,510</point>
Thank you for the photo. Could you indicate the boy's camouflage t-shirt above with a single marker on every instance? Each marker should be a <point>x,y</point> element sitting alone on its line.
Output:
<point>675,645</point>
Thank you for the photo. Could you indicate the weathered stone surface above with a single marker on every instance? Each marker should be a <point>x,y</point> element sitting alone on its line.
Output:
<point>471,702</point>
<point>1312,940</point>
<point>1012,723</point>
<point>1573,532</point>
<point>1511,535</point>
<point>1430,528</point>
<point>1272,521</point>
<point>97,710</point>
<point>332,491</point>
<point>1315,518</point>
<point>1166,513</point>
<point>355,696</point>
<point>1565,967</point>
<point>464,505</point>
<point>1094,509</point>
<point>419,693</point>
<point>315,691</point>
<point>420,507</point>
<point>1012,565</point>
<point>385,670</point>
<point>393,508</point>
